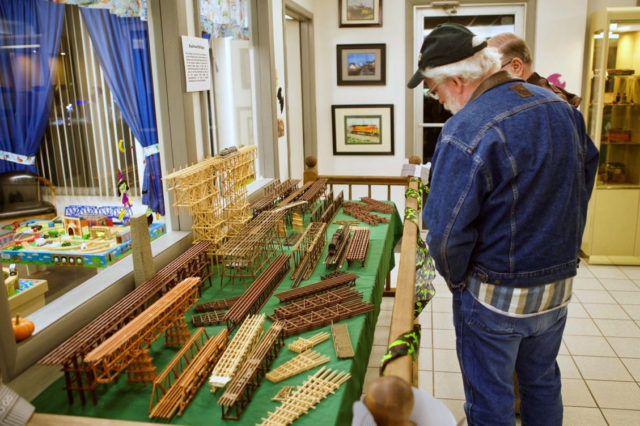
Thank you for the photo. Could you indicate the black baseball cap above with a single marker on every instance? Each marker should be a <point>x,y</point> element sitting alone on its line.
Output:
<point>446,44</point>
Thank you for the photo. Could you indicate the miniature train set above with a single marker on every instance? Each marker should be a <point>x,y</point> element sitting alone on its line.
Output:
<point>238,307</point>
<point>85,238</point>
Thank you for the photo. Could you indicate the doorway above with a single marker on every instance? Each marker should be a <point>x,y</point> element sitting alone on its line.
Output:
<point>483,20</point>
<point>300,87</point>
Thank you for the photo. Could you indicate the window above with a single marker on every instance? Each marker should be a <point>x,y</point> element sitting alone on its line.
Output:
<point>87,140</point>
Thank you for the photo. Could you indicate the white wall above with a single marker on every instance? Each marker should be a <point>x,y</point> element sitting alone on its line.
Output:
<point>595,5</point>
<point>327,36</point>
<point>560,40</point>
<point>278,40</point>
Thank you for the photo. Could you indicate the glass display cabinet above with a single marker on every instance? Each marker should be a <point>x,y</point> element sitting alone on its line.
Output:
<point>612,114</point>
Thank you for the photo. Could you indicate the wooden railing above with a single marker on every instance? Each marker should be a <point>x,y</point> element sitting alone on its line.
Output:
<point>402,315</point>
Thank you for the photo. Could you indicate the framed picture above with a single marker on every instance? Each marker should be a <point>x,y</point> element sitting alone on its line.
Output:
<point>361,64</point>
<point>362,129</point>
<point>360,13</point>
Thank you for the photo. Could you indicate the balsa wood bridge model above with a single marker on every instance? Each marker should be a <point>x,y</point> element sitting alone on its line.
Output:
<point>301,344</point>
<point>70,354</point>
<point>299,364</point>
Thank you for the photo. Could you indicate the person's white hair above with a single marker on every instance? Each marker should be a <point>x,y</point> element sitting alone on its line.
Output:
<point>469,70</point>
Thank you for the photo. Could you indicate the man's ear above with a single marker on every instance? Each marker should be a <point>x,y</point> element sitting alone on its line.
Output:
<point>517,66</point>
<point>457,85</point>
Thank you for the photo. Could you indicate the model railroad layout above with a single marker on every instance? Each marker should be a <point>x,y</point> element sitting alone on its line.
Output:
<point>274,192</point>
<point>359,247</point>
<point>179,382</point>
<point>70,354</point>
<point>241,388</point>
<point>258,293</point>
<point>344,280</point>
<point>128,348</point>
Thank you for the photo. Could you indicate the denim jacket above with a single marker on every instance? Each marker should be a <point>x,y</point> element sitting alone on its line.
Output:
<point>512,175</point>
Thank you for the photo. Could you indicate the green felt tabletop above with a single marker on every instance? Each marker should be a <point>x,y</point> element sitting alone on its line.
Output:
<point>130,401</point>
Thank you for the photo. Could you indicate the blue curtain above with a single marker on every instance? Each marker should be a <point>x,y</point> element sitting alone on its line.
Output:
<point>122,48</point>
<point>29,42</point>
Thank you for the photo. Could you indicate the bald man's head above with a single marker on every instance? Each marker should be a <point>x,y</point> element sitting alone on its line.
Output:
<point>516,55</point>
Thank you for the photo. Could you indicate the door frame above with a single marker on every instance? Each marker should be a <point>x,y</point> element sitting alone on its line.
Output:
<point>308,77</point>
<point>412,147</point>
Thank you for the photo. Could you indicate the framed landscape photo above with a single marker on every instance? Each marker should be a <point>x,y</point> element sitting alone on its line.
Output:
<point>360,13</point>
<point>361,64</point>
<point>362,129</point>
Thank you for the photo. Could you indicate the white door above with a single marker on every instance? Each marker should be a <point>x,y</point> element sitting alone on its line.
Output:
<point>483,20</point>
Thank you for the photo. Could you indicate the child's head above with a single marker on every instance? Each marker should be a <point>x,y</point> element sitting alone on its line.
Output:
<point>390,401</point>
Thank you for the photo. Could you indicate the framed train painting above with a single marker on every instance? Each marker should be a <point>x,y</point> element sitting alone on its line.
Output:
<point>362,129</point>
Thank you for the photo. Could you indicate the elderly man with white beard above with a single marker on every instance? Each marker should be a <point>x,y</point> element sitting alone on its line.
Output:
<point>513,171</point>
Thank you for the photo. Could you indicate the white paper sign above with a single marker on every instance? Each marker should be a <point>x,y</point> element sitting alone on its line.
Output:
<point>196,63</point>
<point>417,170</point>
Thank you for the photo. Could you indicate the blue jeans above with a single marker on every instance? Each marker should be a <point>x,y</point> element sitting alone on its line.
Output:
<point>491,347</point>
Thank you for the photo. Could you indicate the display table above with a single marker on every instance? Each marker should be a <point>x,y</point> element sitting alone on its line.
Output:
<point>130,401</point>
<point>29,297</point>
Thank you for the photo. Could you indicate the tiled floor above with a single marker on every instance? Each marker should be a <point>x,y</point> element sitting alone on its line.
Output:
<point>599,358</point>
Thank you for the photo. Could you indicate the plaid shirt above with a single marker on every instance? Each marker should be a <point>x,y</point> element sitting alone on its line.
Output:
<point>522,301</point>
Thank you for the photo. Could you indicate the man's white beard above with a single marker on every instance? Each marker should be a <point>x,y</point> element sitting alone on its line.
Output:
<point>453,106</point>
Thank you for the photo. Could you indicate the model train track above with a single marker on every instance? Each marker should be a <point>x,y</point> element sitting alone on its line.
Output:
<point>258,293</point>
<point>379,206</point>
<point>70,354</point>
<point>348,280</point>
<point>241,388</point>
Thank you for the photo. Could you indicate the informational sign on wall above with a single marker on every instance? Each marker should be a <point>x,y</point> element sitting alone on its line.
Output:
<point>196,63</point>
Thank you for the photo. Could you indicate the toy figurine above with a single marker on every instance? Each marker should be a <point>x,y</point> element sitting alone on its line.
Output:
<point>123,187</point>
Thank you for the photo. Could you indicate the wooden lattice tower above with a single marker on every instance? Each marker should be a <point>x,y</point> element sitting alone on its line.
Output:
<point>306,253</point>
<point>179,382</point>
<point>243,385</point>
<point>214,193</point>
<point>70,354</point>
<point>308,395</point>
<point>244,255</point>
<point>342,341</point>
<point>129,345</point>
<point>299,364</point>
<point>236,353</point>
<point>301,344</point>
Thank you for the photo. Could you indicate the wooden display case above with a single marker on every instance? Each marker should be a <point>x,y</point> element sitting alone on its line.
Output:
<point>612,115</point>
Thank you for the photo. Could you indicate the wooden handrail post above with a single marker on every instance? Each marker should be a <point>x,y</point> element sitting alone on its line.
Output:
<point>311,172</point>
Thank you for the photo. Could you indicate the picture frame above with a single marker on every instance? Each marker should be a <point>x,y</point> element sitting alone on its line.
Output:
<point>362,129</point>
<point>359,13</point>
<point>361,64</point>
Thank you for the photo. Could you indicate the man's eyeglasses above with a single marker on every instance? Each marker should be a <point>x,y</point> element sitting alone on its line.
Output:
<point>433,92</point>
<point>506,63</point>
